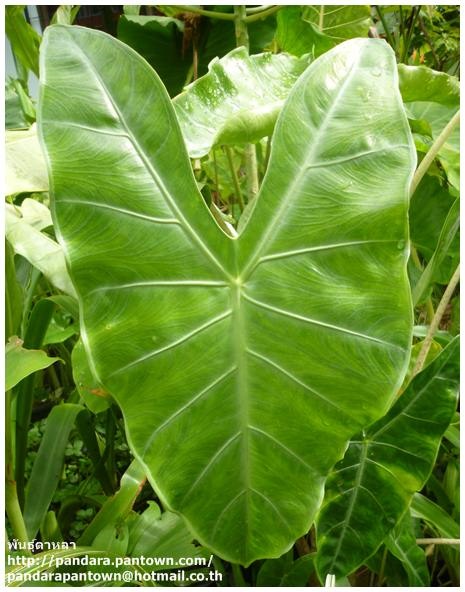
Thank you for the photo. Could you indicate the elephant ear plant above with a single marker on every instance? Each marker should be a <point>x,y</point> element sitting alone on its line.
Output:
<point>242,365</point>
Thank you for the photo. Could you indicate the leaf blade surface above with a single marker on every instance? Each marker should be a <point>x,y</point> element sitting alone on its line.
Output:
<point>199,336</point>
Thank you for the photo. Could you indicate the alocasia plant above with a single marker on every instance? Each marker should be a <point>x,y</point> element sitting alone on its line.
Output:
<point>242,366</point>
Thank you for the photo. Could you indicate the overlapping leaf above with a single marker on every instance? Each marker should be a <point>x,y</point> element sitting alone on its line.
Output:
<point>317,28</point>
<point>434,97</point>
<point>371,488</point>
<point>238,101</point>
<point>234,360</point>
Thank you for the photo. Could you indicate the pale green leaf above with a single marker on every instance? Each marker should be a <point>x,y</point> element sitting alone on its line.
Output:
<point>40,250</point>
<point>253,352</point>
<point>25,169</point>
<point>20,362</point>
<point>238,101</point>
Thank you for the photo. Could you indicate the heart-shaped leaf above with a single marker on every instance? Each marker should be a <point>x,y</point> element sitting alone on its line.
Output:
<point>242,366</point>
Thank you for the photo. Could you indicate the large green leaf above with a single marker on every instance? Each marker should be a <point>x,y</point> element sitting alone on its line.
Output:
<point>242,366</point>
<point>315,29</point>
<point>371,488</point>
<point>238,101</point>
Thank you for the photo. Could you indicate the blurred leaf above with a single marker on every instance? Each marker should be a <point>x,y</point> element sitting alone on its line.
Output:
<point>430,207</point>
<point>371,488</point>
<point>26,170</point>
<point>284,571</point>
<point>434,97</point>
<point>35,329</point>
<point>438,116</point>
<point>131,9</point>
<point>57,334</point>
<point>434,350</point>
<point>41,251</point>
<point>113,538</point>
<point>402,544</point>
<point>159,40</point>
<point>238,101</point>
<point>95,398</point>
<point>273,571</point>
<point>420,83</point>
<point>24,39</point>
<point>21,362</point>
<point>34,213</point>
<point>300,572</point>
<point>437,518</point>
<point>117,507</point>
<point>316,29</point>
<point>432,272</point>
<point>65,14</point>
<point>19,110</point>
<point>155,534</point>
<point>48,465</point>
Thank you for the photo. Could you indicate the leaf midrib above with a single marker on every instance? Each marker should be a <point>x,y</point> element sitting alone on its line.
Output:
<point>194,236</point>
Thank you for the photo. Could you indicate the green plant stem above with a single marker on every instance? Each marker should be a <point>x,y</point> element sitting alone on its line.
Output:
<point>438,541</point>
<point>263,14</point>
<point>217,187</point>
<point>250,153</point>
<point>35,277</point>
<point>237,187</point>
<point>256,9</point>
<point>267,154</point>
<point>385,27</point>
<point>382,567</point>
<point>13,509</point>
<point>240,27</point>
<point>416,260</point>
<point>433,152</point>
<point>436,320</point>
<point>251,170</point>
<point>238,577</point>
<point>223,16</point>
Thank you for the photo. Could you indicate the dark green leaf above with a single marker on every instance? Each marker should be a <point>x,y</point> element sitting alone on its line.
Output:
<point>402,544</point>
<point>371,488</point>
<point>441,522</point>
<point>159,40</point>
<point>447,248</point>
<point>48,465</point>
<point>316,29</point>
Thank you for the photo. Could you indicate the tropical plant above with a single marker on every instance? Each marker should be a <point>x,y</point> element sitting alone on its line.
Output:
<point>237,301</point>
